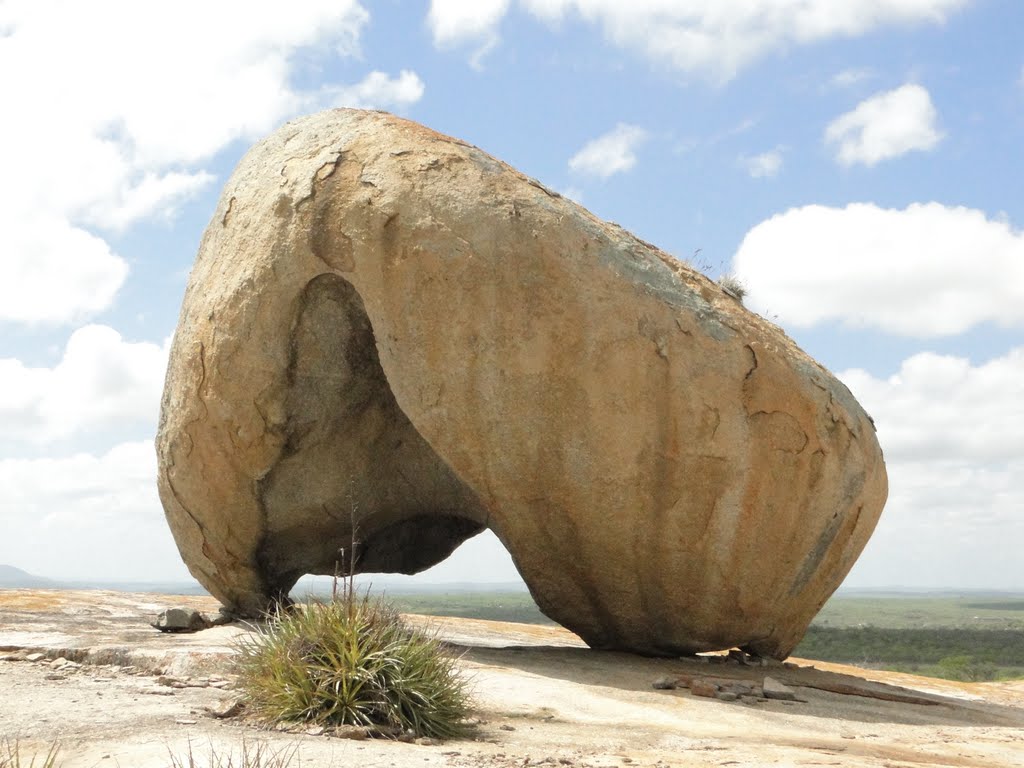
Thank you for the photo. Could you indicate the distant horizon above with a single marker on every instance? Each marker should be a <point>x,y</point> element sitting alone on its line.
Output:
<point>414,584</point>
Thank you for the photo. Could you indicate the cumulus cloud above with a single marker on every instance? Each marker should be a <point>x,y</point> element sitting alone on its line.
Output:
<point>456,22</point>
<point>885,126</point>
<point>614,152</point>
<point>57,515</point>
<point>114,103</point>
<point>377,91</point>
<point>54,272</point>
<point>940,408</point>
<point>765,165</point>
<point>925,271</point>
<point>102,382</point>
<point>953,466</point>
<point>713,37</point>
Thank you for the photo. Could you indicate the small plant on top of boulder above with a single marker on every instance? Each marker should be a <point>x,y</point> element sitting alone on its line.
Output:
<point>732,285</point>
<point>352,661</point>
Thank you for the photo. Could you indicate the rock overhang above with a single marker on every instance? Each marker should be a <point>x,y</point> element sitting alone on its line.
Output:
<point>387,327</point>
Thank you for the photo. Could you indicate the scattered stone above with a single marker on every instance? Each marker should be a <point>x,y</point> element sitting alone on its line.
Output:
<point>222,684</point>
<point>353,732</point>
<point>55,676</point>
<point>773,689</point>
<point>35,657</point>
<point>185,722</point>
<point>506,727</point>
<point>315,730</point>
<point>225,709</point>
<point>726,696</point>
<point>427,741</point>
<point>703,688</point>
<point>171,682</point>
<point>665,684</point>
<point>181,620</point>
<point>738,656</point>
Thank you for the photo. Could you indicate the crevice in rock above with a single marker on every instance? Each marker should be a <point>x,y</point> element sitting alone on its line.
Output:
<point>352,459</point>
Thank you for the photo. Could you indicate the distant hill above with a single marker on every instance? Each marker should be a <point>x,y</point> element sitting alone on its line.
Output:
<point>15,578</point>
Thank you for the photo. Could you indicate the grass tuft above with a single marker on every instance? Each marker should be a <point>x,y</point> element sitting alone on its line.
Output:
<point>10,756</point>
<point>352,661</point>
<point>732,285</point>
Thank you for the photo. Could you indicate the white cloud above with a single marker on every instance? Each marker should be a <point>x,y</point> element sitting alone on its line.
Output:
<point>614,152</point>
<point>377,91</point>
<point>851,77</point>
<point>885,126</point>
<point>116,101</point>
<point>54,272</point>
<point>940,408</point>
<point>87,517</point>
<point>927,271</point>
<point>713,37</point>
<point>456,22</point>
<point>956,474</point>
<point>101,383</point>
<point>765,165</point>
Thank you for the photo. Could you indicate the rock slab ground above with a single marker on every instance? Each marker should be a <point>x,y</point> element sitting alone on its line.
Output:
<point>543,698</point>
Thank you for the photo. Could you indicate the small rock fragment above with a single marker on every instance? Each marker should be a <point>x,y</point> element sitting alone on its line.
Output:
<point>507,727</point>
<point>703,688</point>
<point>35,657</point>
<point>226,709</point>
<point>738,656</point>
<point>773,689</point>
<point>353,732</point>
<point>181,620</point>
<point>726,696</point>
<point>665,684</point>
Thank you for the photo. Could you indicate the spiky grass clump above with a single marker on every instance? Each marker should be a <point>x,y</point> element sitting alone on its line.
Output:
<point>10,756</point>
<point>352,661</point>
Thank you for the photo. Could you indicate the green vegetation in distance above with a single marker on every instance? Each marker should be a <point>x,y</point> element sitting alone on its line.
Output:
<point>956,637</point>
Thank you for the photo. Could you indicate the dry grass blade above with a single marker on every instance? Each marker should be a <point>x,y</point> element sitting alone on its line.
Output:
<point>10,756</point>
<point>258,755</point>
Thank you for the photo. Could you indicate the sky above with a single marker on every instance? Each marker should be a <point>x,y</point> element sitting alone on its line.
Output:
<point>857,165</point>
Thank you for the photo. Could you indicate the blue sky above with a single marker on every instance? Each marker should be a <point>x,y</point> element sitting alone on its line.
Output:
<point>856,164</point>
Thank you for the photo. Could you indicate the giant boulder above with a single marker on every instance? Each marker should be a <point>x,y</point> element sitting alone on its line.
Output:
<point>388,329</point>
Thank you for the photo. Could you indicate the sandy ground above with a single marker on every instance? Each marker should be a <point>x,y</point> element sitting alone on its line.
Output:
<point>137,696</point>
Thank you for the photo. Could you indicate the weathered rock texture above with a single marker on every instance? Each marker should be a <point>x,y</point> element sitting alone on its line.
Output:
<point>389,326</point>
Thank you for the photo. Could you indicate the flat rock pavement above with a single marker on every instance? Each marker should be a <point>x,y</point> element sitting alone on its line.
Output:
<point>86,669</point>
